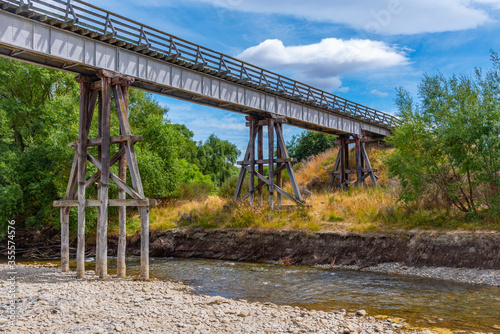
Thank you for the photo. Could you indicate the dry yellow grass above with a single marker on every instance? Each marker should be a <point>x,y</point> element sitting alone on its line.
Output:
<point>357,209</point>
<point>316,167</point>
<point>354,209</point>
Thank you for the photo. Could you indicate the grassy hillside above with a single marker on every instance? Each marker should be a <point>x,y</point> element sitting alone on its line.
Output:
<point>357,209</point>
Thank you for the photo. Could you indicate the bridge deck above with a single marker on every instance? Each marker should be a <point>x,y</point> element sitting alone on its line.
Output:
<point>77,37</point>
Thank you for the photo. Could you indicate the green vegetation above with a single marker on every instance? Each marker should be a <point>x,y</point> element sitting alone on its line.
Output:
<point>309,143</point>
<point>39,117</point>
<point>447,147</point>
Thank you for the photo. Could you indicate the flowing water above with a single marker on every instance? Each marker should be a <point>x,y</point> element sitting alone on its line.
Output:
<point>423,302</point>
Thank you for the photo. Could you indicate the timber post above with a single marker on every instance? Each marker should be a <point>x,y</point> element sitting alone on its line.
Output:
<point>341,172</point>
<point>100,89</point>
<point>274,182</point>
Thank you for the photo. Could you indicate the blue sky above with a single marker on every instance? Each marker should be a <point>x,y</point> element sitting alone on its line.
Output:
<point>360,50</point>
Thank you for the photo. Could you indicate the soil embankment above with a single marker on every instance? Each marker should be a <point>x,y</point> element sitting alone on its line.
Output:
<point>422,248</point>
<point>459,249</point>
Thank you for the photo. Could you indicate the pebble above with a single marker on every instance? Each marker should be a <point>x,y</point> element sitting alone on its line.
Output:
<point>361,313</point>
<point>90,305</point>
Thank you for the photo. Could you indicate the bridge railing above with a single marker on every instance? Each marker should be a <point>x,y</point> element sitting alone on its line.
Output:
<point>119,30</point>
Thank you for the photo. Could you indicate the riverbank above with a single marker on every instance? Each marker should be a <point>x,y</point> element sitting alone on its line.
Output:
<point>54,302</point>
<point>462,256</point>
<point>452,249</point>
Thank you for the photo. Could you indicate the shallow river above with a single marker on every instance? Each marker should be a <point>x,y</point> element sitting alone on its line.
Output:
<point>422,302</point>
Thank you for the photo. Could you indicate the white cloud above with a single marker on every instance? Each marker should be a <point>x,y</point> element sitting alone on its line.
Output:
<point>493,3</point>
<point>379,93</point>
<point>380,16</point>
<point>343,89</point>
<point>321,64</point>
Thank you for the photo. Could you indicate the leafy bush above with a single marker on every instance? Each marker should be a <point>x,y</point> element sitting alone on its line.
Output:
<point>447,146</point>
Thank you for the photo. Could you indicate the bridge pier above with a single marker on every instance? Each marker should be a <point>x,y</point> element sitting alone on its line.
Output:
<point>98,89</point>
<point>274,181</point>
<point>341,173</point>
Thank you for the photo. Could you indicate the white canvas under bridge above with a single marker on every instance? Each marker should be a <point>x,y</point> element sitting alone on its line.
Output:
<point>28,40</point>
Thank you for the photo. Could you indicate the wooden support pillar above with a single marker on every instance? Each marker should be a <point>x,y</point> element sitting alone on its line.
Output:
<point>251,182</point>
<point>122,222</point>
<point>260,156</point>
<point>270,138</point>
<point>91,89</point>
<point>341,172</point>
<point>121,269</point>
<point>346,159</point>
<point>103,193</point>
<point>342,162</point>
<point>64,239</point>
<point>122,112</point>
<point>99,156</point>
<point>279,173</point>
<point>282,161</point>
<point>359,166</point>
<point>82,174</point>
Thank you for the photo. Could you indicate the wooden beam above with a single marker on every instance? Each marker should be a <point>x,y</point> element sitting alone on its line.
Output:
<point>284,193</point>
<point>288,164</point>
<point>353,171</point>
<point>121,185</point>
<point>264,122</point>
<point>97,174</point>
<point>353,141</point>
<point>241,177</point>
<point>258,175</point>
<point>70,189</point>
<point>369,166</point>
<point>266,161</point>
<point>112,202</point>
<point>113,140</point>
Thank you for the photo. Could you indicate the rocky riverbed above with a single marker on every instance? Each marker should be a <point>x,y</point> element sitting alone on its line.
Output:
<point>54,302</point>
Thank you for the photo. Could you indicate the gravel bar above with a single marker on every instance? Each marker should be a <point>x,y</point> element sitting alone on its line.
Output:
<point>463,275</point>
<point>52,302</point>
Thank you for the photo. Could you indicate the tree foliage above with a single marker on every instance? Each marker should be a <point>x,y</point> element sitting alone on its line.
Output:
<point>217,157</point>
<point>309,143</point>
<point>447,146</point>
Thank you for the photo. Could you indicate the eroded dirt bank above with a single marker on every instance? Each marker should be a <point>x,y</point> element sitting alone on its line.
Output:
<point>422,248</point>
<point>448,249</point>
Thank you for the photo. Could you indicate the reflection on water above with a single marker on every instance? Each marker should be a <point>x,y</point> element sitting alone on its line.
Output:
<point>422,302</point>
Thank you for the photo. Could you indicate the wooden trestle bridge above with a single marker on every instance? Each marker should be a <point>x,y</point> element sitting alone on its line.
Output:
<point>109,53</point>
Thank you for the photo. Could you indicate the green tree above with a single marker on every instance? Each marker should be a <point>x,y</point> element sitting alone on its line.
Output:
<point>37,113</point>
<point>447,146</point>
<point>216,157</point>
<point>309,143</point>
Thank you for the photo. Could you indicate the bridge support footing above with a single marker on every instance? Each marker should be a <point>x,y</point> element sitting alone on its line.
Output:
<point>341,174</point>
<point>99,90</point>
<point>277,165</point>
